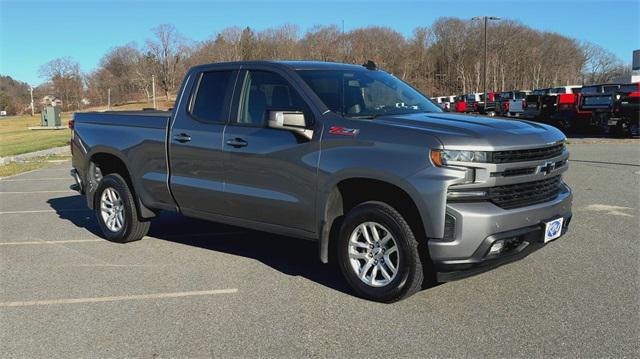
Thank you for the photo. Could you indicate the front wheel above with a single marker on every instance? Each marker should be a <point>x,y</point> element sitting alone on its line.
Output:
<point>622,129</point>
<point>378,253</point>
<point>116,211</point>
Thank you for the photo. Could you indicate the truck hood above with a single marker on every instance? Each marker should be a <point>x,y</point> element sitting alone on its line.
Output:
<point>477,132</point>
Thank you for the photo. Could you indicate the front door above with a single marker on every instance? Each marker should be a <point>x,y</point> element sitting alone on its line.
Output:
<point>271,173</point>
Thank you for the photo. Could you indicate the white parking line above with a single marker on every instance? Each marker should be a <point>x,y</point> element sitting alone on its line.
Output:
<point>47,211</point>
<point>119,298</point>
<point>52,242</point>
<point>29,192</point>
<point>36,170</point>
<point>36,179</point>
<point>194,235</point>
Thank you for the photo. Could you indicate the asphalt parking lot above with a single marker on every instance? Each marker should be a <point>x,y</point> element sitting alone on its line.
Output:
<point>197,289</point>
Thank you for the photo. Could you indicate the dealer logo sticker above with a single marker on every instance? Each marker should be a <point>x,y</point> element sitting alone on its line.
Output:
<point>553,229</point>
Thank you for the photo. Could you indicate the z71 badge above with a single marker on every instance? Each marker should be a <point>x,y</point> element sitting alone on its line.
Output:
<point>343,131</point>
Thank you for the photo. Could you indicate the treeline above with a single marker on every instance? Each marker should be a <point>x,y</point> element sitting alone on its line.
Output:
<point>14,95</point>
<point>443,59</point>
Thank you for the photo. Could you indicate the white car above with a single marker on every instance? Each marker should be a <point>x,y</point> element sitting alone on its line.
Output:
<point>444,102</point>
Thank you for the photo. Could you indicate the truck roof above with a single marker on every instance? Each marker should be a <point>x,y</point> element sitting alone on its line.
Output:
<point>292,64</point>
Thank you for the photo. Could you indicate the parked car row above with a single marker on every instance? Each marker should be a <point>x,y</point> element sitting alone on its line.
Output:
<point>606,108</point>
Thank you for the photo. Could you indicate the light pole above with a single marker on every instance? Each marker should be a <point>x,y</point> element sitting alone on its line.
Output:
<point>33,110</point>
<point>153,90</point>
<point>484,78</point>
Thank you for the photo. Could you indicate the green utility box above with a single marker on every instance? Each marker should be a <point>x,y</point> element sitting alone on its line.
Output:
<point>50,116</point>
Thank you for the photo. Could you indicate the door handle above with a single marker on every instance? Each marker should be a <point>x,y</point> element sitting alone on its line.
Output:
<point>237,142</point>
<point>182,138</point>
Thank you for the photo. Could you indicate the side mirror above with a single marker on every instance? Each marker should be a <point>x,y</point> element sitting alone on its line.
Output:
<point>294,121</point>
<point>287,120</point>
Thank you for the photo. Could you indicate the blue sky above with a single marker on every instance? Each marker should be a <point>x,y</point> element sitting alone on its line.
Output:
<point>34,32</point>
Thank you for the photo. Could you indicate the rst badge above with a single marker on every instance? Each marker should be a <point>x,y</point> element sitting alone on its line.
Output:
<point>343,131</point>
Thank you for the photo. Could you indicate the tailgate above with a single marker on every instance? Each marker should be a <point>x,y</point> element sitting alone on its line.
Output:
<point>593,102</point>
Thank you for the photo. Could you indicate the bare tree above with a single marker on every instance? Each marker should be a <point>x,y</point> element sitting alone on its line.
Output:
<point>66,79</point>
<point>168,52</point>
<point>443,59</point>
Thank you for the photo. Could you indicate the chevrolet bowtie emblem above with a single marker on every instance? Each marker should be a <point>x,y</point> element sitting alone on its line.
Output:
<point>547,168</point>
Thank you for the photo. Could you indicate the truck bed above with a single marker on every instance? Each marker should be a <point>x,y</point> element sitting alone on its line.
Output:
<point>140,138</point>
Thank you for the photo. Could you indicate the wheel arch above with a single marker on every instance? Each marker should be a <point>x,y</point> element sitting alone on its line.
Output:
<point>348,192</point>
<point>109,161</point>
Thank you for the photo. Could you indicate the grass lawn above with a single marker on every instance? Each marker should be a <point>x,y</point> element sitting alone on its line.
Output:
<point>16,138</point>
<point>40,162</point>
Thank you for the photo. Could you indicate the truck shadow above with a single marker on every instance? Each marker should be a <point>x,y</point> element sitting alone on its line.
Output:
<point>290,256</point>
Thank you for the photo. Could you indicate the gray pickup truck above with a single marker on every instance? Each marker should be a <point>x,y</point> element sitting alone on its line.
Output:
<point>393,189</point>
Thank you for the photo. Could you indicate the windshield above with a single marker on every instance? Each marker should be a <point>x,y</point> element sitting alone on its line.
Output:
<point>611,89</point>
<point>366,93</point>
<point>591,89</point>
<point>629,88</point>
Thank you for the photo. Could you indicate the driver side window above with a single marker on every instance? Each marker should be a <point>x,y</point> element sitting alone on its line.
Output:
<point>264,91</point>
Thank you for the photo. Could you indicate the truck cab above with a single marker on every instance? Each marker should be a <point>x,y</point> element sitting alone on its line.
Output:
<point>625,119</point>
<point>599,101</point>
<point>549,103</point>
<point>533,105</point>
<point>472,100</point>
<point>461,104</point>
<point>518,104</point>
<point>444,102</point>
<point>502,104</point>
<point>488,106</point>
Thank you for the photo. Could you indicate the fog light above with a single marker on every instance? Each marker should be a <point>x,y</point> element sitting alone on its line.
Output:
<point>449,227</point>
<point>497,247</point>
<point>466,194</point>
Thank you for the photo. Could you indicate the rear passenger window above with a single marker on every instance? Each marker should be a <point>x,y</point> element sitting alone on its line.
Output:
<point>213,93</point>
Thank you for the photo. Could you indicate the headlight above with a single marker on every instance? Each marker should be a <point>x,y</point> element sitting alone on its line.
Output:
<point>441,157</point>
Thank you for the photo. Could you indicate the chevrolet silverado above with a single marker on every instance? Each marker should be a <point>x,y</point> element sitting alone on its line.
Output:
<point>393,189</point>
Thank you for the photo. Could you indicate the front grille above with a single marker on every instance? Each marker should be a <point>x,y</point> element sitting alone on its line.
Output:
<point>527,155</point>
<point>519,172</point>
<point>523,171</point>
<point>525,194</point>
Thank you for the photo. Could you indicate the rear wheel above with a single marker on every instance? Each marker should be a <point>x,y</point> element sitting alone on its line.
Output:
<point>116,211</point>
<point>622,129</point>
<point>378,253</point>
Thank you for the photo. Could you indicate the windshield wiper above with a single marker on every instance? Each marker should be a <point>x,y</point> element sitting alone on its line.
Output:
<point>365,117</point>
<point>376,115</point>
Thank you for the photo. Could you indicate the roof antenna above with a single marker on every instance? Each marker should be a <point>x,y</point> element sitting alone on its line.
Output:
<point>370,65</point>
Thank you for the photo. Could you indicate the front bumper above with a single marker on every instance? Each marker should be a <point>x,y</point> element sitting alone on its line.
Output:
<point>478,225</point>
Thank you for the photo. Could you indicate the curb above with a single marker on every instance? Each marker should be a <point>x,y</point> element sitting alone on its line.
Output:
<point>27,156</point>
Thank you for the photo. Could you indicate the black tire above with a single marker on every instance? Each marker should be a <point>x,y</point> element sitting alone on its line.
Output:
<point>409,277</point>
<point>133,228</point>
<point>622,129</point>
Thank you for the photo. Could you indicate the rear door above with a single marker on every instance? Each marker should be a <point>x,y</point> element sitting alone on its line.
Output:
<point>271,173</point>
<point>196,140</point>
